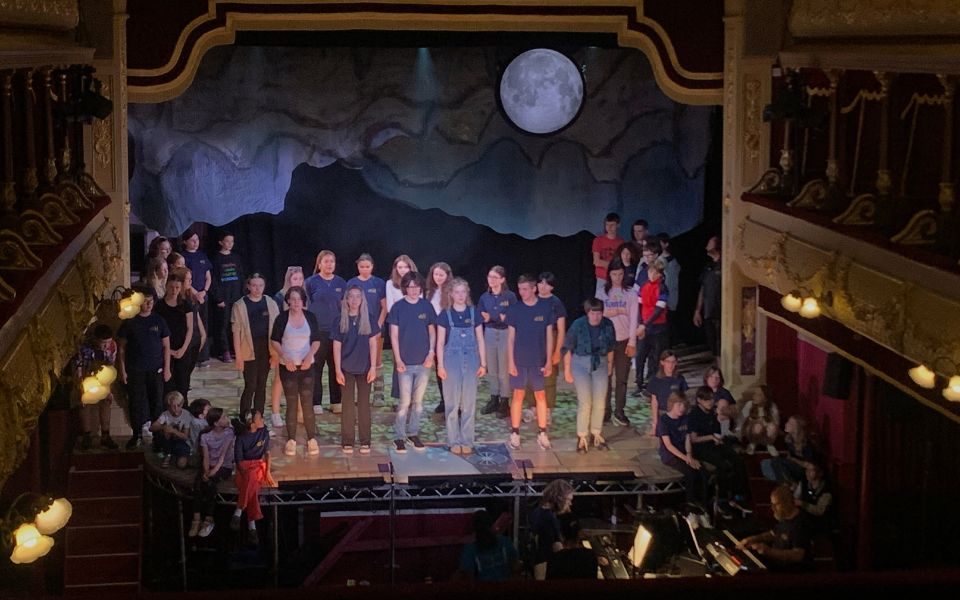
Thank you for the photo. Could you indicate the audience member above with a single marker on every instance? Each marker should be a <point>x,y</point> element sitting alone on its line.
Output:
<point>707,313</point>
<point>761,421</point>
<point>491,556</point>
<point>557,500</point>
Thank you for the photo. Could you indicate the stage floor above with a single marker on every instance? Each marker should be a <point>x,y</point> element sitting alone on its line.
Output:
<point>630,451</point>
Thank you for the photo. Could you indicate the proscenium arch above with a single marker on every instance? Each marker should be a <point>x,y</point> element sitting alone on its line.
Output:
<point>625,18</point>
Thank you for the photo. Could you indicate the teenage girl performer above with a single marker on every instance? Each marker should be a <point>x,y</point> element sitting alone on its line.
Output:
<point>292,278</point>
<point>438,293</point>
<point>493,306</point>
<point>325,289</point>
<point>375,290</point>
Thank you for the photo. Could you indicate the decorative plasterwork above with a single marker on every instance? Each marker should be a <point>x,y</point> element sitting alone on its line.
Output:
<point>874,18</point>
<point>49,340</point>
<point>753,120</point>
<point>60,15</point>
<point>625,18</point>
<point>907,318</point>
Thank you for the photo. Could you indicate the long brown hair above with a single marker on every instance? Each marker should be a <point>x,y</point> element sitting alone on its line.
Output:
<point>502,273</point>
<point>320,256</point>
<point>394,276</point>
<point>432,284</point>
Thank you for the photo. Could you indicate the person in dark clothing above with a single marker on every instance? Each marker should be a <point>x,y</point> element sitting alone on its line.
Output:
<point>545,524</point>
<point>709,447</point>
<point>253,317</point>
<point>227,288</point>
<point>574,561</point>
<point>492,556</point>
<point>707,314</point>
<point>815,498</point>
<point>786,547</point>
<point>179,319</point>
<point>198,263</point>
<point>676,449</point>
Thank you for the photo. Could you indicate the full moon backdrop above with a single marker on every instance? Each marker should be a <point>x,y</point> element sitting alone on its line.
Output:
<point>400,150</point>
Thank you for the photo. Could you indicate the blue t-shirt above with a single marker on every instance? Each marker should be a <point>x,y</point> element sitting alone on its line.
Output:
<point>199,266</point>
<point>662,387</point>
<point>559,311</point>
<point>251,445</point>
<point>496,305</point>
<point>355,348</point>
<point>461,320</point>
<point>723,393</point>
<point>375,289</point>
<point>676,431</point>
<point>325,296</point>
<point>144,336</point>
<point>530,340</point>
<point>491,564</point>
<point>413,321</point>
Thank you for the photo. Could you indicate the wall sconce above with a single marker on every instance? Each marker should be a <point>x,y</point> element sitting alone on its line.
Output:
<point>926,377</point>
<point>810,308</point>
<point>792,302</point>
<point>29,523</point>
<point>806,304</point>
<point>97,387</point>
<point>129,301</point>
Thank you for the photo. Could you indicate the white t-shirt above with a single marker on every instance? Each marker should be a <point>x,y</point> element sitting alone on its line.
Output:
<point>295,343</point>
<point>393,294</point>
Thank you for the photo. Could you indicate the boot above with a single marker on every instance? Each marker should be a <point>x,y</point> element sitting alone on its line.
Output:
<point>492,406</point>
<point>504,411</point>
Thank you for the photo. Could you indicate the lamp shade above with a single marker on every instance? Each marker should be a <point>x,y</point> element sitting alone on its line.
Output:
<point>137,298</point>
<point>106,375</point>
<point>90,398</point>
<point>30,544</point>
<point>923,376</point>
<point>810,308</point>
<point>91,385</point>
<point>791,302</point>
<point>128,309</point>
<point>55,517</point>
<point>952,391</point>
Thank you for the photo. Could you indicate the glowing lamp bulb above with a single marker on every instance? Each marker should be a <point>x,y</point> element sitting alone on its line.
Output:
<point>952,391</point>
<point>128,309</point>
<point>30,544</point>
<point>91,385</point>
<point>55,517</point>
<point>106,375</point>
<point>791,303</point>
<point>923,376</point>
<point>810,308</point>
<point>137,298</point>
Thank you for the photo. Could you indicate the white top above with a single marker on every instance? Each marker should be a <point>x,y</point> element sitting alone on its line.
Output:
<point>435,300</point>
<point>393,294</point>
<point>295,343</point>
<point>621,307</point>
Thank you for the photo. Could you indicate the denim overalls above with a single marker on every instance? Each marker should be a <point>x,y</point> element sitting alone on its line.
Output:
<point>461,360</point>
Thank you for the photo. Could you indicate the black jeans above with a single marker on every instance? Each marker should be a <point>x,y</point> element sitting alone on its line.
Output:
<point>145,390</point>
<point>298,391</point>
<point>255,378</point>
<point>205,492</point>
<point>180,370</point>
<point>648,352</point>
<point>711,327</point>
<point>223,332</point>
<point>325,357</point>
<point>694,480</point>
<point>731,470</point>
<point>204,311</point>
<point>356,408</point>
<point>621,370</point>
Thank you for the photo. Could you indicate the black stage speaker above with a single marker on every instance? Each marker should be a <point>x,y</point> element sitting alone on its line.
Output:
<point>837,376</point>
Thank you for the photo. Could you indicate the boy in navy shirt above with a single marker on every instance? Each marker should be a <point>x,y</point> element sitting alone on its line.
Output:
<point>413,334</point>
<point>200,267</point>
<point>530,334</point>
<point>227,288</point>
<point>676,447</point>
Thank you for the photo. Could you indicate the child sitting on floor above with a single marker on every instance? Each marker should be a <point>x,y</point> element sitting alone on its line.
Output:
<point>198,409</point>
<point>171,431</point>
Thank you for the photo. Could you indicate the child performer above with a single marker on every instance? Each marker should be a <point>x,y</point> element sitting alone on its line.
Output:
<point>252,458</point>
<point>216,448</point>
<point>292,278</point>
<point>325,290</point>
<point>493,305</point>
<point>375,290</point>
<point>355,341</point>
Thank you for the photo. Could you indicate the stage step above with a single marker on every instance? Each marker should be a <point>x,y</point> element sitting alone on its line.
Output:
<point>104,536</point>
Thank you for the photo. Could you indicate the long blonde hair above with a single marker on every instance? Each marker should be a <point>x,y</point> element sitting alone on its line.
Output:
<point>288,276</point>
<point>363,327</point>
<point>432,285</point>
<point>153,278</point>
<point>455,282</point>
<point>394,275</point>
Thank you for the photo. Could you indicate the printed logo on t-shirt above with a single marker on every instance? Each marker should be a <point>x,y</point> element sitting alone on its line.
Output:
<point>203,261</point>
<point>155,329</point>
<point>259,443</point>
<point>372,290</point>
<point>682,428</point>
<point>538,319</point>
<point>338,290</point>
<point>264,313</point>
<point>504,303</point>
<point>422,316</point>
<point>468,321</point>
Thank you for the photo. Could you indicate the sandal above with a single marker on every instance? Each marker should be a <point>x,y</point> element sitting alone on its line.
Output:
<point>582,445</point>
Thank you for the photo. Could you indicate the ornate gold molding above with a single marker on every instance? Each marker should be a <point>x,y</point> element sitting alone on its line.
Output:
<point>753,120</point>
<point>50,339</point>
<point>61,15</point>
<point>874,18</point>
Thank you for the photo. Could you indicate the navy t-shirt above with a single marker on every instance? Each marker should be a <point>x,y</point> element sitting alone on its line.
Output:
<point>662,387</point>
<point>413,320</point>
<point>723,393</point>
<point>259,317</point>
<point>496,305</point>
<point>199,266</point>
<point>325,296</point>
<point>355,348</point>
<point>461,320</point>
<point>251,445</point>
<point>545,526</point>
<point>375,289</point>
<point>530,324</point>
<point>676,430</point>
<point>703,423</point>
<point>144,336</point>
<point>559,311</point>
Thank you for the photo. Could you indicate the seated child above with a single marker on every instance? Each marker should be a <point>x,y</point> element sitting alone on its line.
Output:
<point>761,421</point>
<point>252,460</point>
<point>216,448</point>
<point>99,350</point>
<point>198,409</point>
<point>171,431</point>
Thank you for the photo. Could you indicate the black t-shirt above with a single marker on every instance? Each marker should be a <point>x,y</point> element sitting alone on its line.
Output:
<point>710,281</point>
<point>227,276</point>
<point>701,422</point>
<point>259,318</point>
<point>676,430</point>
<point>791,534</point>
<point>572,563</point>
<point>144,337</point>
<point>545,526</point>
<point>176,318</point>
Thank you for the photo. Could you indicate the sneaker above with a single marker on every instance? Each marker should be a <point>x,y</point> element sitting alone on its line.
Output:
<point>336,408</point>
<point>466,450</point>
<point>582,446</point>
<point>637,392</point>
<point>194,529</point>
<point>417,444</point>
<point>317,409</point>
<point>440,409</point>
<point>227,357</point>
<point>145,430</point>
<point>543,441</point>
<point>313,449</point>
<point>527,415</point>
<point>399,447</point>
<point>107,442</point>
<point>252,538</point>
<point>290,449</point>
<point>235,522</point>
<point>515,441</point>
<point>504,410</point>
<point>364,449</point>
<point>203,364</point>
<point>134,443</point>
<point>773,452</point>
<point>86,442</point>
<point>206,529</point>
<point>277,419</point>
<point>620,419</point>
<point>751,448</point>
<point>348,449</point>
<point>491,406</point>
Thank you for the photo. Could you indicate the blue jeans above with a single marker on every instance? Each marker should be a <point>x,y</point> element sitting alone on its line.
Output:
<point>413,384</point>
<point>498,375</point>
<point>591,386</point>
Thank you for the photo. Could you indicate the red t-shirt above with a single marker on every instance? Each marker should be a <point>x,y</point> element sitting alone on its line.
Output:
<point>652,295</point>
<point>607,249</point>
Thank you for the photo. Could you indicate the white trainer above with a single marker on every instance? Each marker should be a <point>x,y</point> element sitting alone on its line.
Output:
<point>277,419</point>
<point>543,441</point>
<point>515,441</point>
<point>313,448</point>
<point>291,448</point>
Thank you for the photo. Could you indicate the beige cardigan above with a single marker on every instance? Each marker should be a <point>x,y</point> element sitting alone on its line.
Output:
<point>241,327</point>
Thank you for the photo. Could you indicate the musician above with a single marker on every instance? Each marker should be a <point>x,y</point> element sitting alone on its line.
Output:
<point>787,547</point>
